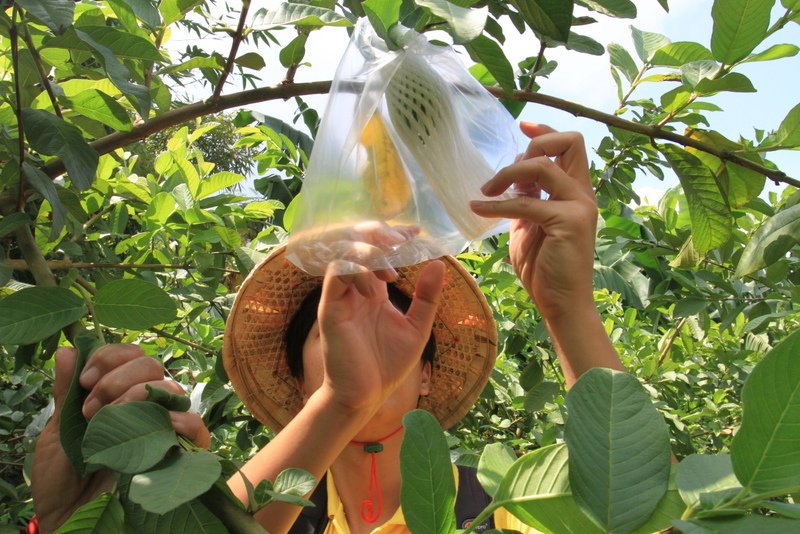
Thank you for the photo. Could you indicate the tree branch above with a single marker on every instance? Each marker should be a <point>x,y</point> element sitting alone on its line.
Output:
<point>37,60</point>
<point>237,39</point>
<point>13,36</point>
<point>186,342</point>
<point>111,142</point>
<point>536,66</point>
<point>65,265</point>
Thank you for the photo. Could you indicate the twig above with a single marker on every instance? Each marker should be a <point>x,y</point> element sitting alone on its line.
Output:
<point>148,76</point>
<point>634,85</point>
<point>536,66</point>
<point>237,39</point>
<point>65,265</point>
<point>192,344</point>
<point>37,60</point>
<point>672,338</point>
<point>14,37</point>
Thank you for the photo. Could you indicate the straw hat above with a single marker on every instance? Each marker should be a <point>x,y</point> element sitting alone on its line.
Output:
<point>254,354</point>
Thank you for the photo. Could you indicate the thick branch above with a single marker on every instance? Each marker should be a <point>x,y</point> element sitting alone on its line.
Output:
<point>65,265</point>
<point>116,140</point>
<point>237,39</point>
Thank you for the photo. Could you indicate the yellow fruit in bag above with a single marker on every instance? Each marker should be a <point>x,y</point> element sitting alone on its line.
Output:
<point>385,179</point>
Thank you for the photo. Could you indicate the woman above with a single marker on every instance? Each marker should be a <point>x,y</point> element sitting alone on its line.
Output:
<point>358,379</point>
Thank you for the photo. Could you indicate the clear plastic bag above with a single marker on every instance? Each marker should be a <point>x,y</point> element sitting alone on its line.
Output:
<point>407,140</point>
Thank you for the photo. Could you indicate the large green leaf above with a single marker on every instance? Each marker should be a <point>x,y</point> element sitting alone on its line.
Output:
<point>700,473</point>
<point>621,59</point>
<point>44,185</point>
<point>73,424</point>
<point>35,313</point>
<point>383,15</point>
<point>298,15</point>
<point>788,133</point>
<point>647,43</point>
<point>739,26</point>
<point>13,222</point>
<point>144,10</point>
<point>604,277</point>
<point>100,516</point>
<point>708,209</point>
<point>465,24</point>
<point>495,461</point>
<point>119,75</point>
<point>697,71</point>
<point>778,51</point>
<point>182,477</point>
<point>584,44</point>
<point>619,450</point>
<point>484,50</point>
<point>192,517</point>
<point>97,105</point>
<point>550,18</point>
<point>216,182</point>
<point>615,8</point>
<point>130,437</point>
<point>734,82</point>
<point>51,135</point>
<point>770,241</point>
<point>428,493</point>
<point>133,303</point>
<point>294,481</point>
<point>680,53</point>
<point>174,10</point>
<point>766,450</point>
<point>55,14</point>
<point>749,524</point>
<point>119,42</point>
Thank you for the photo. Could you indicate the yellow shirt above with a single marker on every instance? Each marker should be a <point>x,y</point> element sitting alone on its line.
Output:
<point>337,523</point>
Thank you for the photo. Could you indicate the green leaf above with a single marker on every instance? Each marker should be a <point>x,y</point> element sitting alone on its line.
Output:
<point>605,277</point>
<point>161,208</point>
<point>647,43</point>
<point>55,14</point>
<point>119,75</point>
<point>778,232</point>
<point>170,401</point>
<point>44,185</point>
<point>615,8</point>
<point>621,59</point>
<point>550,18</point>
<point>190,518</point>
<point>214,61</point>
<point>464,24</point>
<point>73,424</point>
<point>133,303</point>
<point>680,53</point>
<point>733,82</point>
<point>294,481</point>
<point>297,15</point>
<point>778,51</point>
<point>709,212</point>
<point>701,473</point>
<point>179,479</point>
<point>142,9</point>
<point>35,313</point>
<point>739,26</point>
<point>495,461</point>
<point>696,71</point>
<point>486,51</point>
<point>130,437</point>
<point>749,524</point>
<point>253,60</point>
<point>183,197</point>
<point>541,394</point>
<point>766,450</point>
<point>51,135</point>
<point>174,10</point>
<point>100,516</point>
<point>13,222</point>
<point>610,416</point>
<point>118,42</point>
<point>427,495</point>
<point>383,15</point>
<point>216,182</point>
<point>584,44</point>
<point>292,53</point>
<point>97,105</point>
<point>788,133</point>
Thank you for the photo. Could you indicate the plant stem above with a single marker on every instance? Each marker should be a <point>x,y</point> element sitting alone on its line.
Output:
<point>237,39</point>
<point>634,85</point>
<point>14,38</point>
<point>192,344</point>
<point>536,66</point>
<point>37,60</point>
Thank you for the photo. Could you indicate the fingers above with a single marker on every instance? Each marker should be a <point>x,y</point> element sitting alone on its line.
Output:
<point>65,368</point>
<point>105,359</point>
<point>541,170</point>
<point>126,383</point>
<point>192,427</point>
<point>427,293</point>
<point>568,148</point>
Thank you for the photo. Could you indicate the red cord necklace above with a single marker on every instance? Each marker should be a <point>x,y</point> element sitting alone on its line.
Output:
<point>372,506</point>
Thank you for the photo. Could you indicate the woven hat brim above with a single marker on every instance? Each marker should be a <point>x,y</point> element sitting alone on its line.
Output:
<point>254,348</point>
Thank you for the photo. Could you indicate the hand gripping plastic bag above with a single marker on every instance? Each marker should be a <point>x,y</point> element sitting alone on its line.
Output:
<point>407,140</point>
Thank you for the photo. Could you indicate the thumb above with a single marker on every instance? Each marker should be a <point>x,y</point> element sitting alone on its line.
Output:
<point>66,358</point>
<point>427,293</point>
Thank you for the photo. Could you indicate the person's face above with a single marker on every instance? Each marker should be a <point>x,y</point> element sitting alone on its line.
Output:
<point>404,399</point>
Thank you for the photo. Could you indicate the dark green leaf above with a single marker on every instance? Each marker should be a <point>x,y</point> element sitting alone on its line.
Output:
<point>608,278</point>
<point>709,212</point>
<point>73,424</point>
<point>130,437</point>
<point>783,226</point>
<point>13,222</point>
<point>621,59</point>
<point>294,481</point>
<point>97,105</point>
<point>584,44</point>
<point>495,461</point>
<point>182,477</point>
<point>748,524</point>
<point>133,303</point>
<point>293,53</point>
<point>465,24</point>
<point>610,412</point>
<point>34,313</point>
<point>51,135</point>
<point>143,9</point>
<point>680,53</point>
<point>647,43</point>
<point>253,60</point>
<point>297,15</point>
<point>100,516</point>
<point>550,18</point>
<point>733,82</point>
<point>44,185</point>
<point>615,8</point>
<point>118,42</point>
<point>427,495</point>
<point>55,14</point>
<point>541,394</point>
<point>174,10</point>
<point>739,26</point>
<point>170,401</point>
<point>766,450</point>
<point>487,52</point>
<point>699,473</point>
<point>689,306</point>
<point>532,375</point>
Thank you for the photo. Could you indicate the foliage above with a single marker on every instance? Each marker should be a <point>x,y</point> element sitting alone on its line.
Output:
<point>112,186</point>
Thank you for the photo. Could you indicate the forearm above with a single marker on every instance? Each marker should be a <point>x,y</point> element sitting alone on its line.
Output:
<point>581,342</point>
<point>311,441</point>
